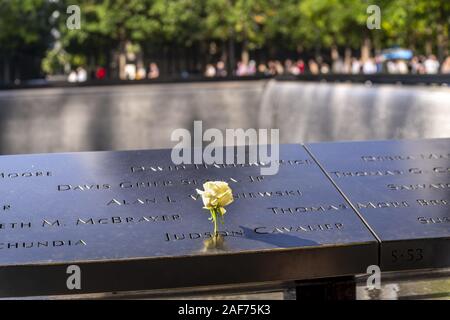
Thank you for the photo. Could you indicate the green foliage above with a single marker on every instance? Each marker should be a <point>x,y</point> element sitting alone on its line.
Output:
<point>242,20</point>
<point>54,61</point>
<point>24,23</point>
<point>106,25</point>
<point>178,21</point>
<point>412,22</point>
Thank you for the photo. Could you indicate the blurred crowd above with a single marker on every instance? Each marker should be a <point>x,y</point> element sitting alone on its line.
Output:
<point>416,65</point>
<point>131,72</point>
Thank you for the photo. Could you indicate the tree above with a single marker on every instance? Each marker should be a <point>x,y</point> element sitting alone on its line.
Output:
<point>242,21</point>
<point>106,28</point>
<point>170,28</point>
<point>326,23</point>
<point>419,24</point>
<point>115,25</point>
<point>24,30</point>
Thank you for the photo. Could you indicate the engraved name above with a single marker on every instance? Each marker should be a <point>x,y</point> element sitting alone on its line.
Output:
<point>138,201</point>
<point>129,220</point>
<point>422,186</point>
<point>29,174</point>
<point>343,174</point>
<point>28,225</point>
<point>439,202</point>
<point>157,168</point>
<point>321,208</point>
<point>150,184</point>
<point>299,228</point>
<point>15,225</point>
<point>47,223</point>
<point>382,204</point>
<point>261,194</point>
<point>266,194</point>
<point>41,244</point>
<point>263,230</point>
<point>202,235</point>
<point>433,220</point>
<point>429,156</point>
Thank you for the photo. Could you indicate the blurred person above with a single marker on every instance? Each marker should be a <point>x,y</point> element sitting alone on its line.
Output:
<point>100,73</point>
<point>422,65</point>
<point>130,71</point>
<point>313,67</point>
<point>141,73</point>
<point>272,68</point>
<point>291,68</point>
<point>431,64</point>
<point>301,65</point>
<point>251,68</point>
<point>356,66</point>
<point>319,60</point>
<point>241,69</point>
<point>221,71</point>
<point>73,77</point>
<point>348,65</point>
<point>324,68</point>
<point>391,67</point>
<point>369,66</point>
<point>415,65</point>
<point>262,69</point>
<point>287,65</point>
<point>379,63</point>
<point>295,70</point>
<point>279,67</point>
<point>210,71</point>
<point>446,66</point>
<point>337,66</point>
<point>81,74</point>
<point>402,67</point>
<point>153,71</point>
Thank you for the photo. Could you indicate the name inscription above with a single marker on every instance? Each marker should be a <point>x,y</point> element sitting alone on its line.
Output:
<point>429,156</point>
<point>262,230</point>
<point>412,171</point>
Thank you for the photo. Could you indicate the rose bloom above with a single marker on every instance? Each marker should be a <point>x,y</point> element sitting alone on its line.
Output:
<point>217,194</point>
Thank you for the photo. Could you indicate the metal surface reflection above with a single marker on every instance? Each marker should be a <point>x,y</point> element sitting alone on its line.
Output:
<point>132,221</point>
<point>402,190</point>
